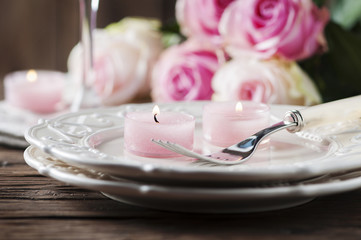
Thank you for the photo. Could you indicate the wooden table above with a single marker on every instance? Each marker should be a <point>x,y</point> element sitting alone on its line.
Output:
<point>37,207</point>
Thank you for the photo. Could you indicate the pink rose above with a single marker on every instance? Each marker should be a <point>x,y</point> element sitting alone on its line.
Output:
<point>200,18</point>
<point>184,72</point>
<point>267,81</point>
<point>292,29</point>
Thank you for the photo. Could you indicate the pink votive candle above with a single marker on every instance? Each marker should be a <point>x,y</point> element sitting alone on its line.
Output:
<point>141,127</point>
<point>36,91</point>
<point>227,123</point>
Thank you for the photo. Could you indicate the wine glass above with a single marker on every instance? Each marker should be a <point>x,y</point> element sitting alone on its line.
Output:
<point>86,97</point>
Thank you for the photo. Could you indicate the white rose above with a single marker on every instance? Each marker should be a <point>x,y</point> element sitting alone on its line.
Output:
<point>123,59</point>
<point>268,81</point>
<point>144,32</point>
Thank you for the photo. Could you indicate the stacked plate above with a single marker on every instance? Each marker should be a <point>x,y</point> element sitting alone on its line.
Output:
<point>85,149</point>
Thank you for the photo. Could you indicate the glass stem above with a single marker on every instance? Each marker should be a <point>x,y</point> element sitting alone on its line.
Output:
<point>86,96</point>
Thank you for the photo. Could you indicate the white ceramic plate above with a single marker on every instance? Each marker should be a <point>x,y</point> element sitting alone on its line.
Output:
<point>193,199</point>
<point>94,139</point>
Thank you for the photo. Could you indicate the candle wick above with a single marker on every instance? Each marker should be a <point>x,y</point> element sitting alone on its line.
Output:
<point>155,118</point>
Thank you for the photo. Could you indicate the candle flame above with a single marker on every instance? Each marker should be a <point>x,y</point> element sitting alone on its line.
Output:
<point>31,75</point>
<point>156,111</point>
<point>239,107</point>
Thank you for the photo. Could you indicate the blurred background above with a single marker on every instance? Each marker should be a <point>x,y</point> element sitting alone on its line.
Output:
<point>40,33</point>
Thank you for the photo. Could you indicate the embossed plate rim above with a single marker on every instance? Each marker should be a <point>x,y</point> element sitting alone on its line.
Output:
<point>150,172</point>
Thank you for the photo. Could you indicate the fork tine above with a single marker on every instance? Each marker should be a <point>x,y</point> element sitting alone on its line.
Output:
<point>182,150</point>
<point>176,148</point>
<point>186,152</point>
<point>170,146</point>
<point>166,145</point>
<point>179,150</point>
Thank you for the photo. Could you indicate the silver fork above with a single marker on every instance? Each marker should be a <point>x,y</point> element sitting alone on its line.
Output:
<point>241,151</point>
<point>294,121</point>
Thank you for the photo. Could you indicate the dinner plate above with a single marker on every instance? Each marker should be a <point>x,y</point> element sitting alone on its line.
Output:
<point>193,199</point>
<point>93,139</point>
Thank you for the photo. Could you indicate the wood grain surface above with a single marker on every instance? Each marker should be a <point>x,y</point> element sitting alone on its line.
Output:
<point>37,207</point>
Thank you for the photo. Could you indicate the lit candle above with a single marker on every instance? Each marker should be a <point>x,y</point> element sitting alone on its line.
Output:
<point>141,127</point>
<point>36,91</point>
<point>227,123</point>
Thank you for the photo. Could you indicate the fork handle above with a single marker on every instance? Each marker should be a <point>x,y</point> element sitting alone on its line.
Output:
<point>331,112</point>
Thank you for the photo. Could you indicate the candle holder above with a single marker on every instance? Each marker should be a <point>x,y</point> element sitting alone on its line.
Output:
<point>37,91</point>
<point>141,127</point>
<point>226,123</point>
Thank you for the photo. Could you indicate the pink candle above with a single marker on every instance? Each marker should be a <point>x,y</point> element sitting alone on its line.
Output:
<point>227,123</point>
<point>36,91</point>
<point>141,127</point>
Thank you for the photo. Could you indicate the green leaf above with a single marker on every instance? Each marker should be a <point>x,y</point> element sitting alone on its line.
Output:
<point>171,34</point>
<point>169,39</point>
<point>337,73</point>
<point>346,12</point>
<point>171,27</point>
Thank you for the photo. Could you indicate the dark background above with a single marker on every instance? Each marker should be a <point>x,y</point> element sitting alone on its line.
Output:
<point>40,33</point>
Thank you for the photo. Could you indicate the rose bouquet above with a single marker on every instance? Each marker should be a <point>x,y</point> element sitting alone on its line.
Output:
<point>261,50</point>
<point>273,51</point>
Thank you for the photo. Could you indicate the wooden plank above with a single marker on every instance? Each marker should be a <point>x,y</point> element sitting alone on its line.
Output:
<point>276,225</point>
<point>99,207</point>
